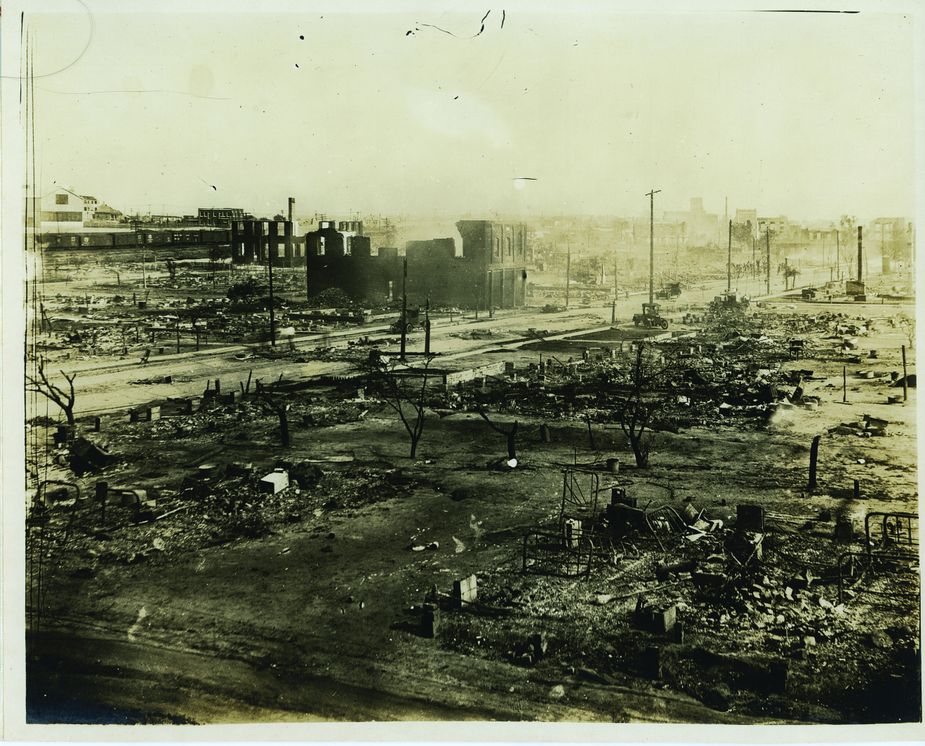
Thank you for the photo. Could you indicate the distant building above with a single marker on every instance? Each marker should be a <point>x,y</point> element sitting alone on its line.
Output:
<point>105,212</point>
<point>781,228</point>
<point>220,215</point>
<point>495,260</point>
<point>894,238</point>
<point>699,227</point>
<point>252,241</point>
<point>90,206</point>
<point>337,255</point>
<point>60,210</point>
<point>743,217</point>
<point>490,272</point>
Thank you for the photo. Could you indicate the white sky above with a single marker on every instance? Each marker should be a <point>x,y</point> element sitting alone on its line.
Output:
<point>809,115</point>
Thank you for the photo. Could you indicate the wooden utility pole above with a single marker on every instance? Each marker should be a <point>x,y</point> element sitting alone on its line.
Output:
<point>651,196</point>
<point>615,273</point>
<point>404,306</point>
<point>427,328</point>
<point>767,259</point>
<point>729,261</point>
<point>838,253</point>
<point>271,247</point>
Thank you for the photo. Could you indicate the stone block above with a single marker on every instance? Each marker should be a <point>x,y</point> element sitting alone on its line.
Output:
<point>465,591</point>
<point>276,481</point>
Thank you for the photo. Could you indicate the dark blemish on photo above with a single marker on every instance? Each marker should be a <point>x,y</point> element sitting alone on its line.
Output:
<point>72,62</point>
<point>450,33</point>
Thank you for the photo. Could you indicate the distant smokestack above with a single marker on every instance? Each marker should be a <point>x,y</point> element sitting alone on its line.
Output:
<point>291,203</point>
<point>860,256</point>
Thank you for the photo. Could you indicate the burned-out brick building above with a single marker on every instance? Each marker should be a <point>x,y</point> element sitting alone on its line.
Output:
<point>339,256</point>
<point>496,258</point>
<point>219,215</point>
<point>489,272</point>
<point>252,241</point>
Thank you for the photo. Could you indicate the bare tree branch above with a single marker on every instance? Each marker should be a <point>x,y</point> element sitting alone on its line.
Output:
<point>42,385</point>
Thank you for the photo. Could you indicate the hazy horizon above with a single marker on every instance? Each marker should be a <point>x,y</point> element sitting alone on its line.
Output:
<point>416,112</point>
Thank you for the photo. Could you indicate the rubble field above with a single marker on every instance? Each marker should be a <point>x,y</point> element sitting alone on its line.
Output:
<point>727,580</point>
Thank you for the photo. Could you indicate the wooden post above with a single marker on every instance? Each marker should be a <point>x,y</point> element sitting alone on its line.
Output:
<point>905,382</point>
<point>813,457</point>
<point>844,383</point>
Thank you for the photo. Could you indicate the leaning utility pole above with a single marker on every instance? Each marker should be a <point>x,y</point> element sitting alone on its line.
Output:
<point>729,261</point>
<point>651,196</point>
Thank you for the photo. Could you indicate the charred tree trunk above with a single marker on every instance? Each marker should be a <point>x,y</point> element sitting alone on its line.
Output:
<point>510,435</point>
<point>512,443</point>
<point>283,427</point>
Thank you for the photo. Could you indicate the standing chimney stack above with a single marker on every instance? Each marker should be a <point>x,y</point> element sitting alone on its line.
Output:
<point>291,203</point>
<point>860,256</point>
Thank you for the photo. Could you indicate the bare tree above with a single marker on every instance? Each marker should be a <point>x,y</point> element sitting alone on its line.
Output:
<point>402,393</point>
<point>40,383</point>
<point>641,401</point>
<point>269,398</point>
<point>510,434</point>
<point>907,324</point>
